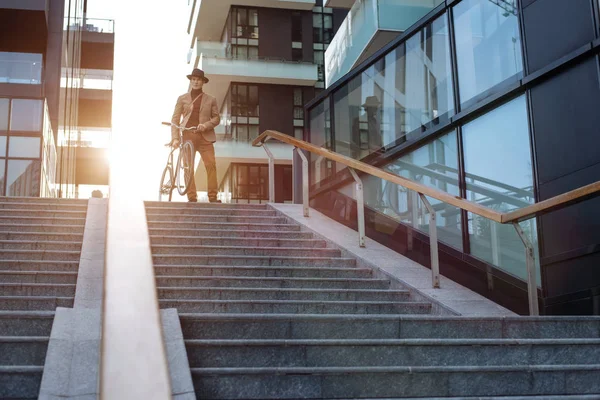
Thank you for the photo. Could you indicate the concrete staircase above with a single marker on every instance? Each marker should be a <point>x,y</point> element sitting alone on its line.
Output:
<point>270,312</point>
<point>40,246</point>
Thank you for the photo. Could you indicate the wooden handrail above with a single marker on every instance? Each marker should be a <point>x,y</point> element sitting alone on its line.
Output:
<point>522,214</point>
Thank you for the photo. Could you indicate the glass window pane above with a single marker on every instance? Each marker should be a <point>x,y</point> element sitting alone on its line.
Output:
<point>2,148</point>
<point>253,52</point>
<point>23,178</point>
<point>4,114</point>
<point>28,147</point>
<point>418,83</point>
<point>488,45</point>
<point>253,15</point>
<point>298,97</point>
<point>320,135</point>
<point>434,164</point>
<point>253,131</point>
<point>26,115</point>
<point>2,177</point>
<point>499,175</point>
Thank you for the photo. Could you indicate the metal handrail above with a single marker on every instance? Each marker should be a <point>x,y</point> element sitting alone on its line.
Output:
<point>512,217</point>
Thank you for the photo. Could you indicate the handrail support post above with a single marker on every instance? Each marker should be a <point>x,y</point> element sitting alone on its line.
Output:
<point>271,173</point>
<point>304,181</point>
<point>433,243</point>
<point>531,279</point>
<point>360,200</point>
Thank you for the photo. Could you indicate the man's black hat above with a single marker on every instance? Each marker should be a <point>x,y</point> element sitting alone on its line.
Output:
<point>199,74</point>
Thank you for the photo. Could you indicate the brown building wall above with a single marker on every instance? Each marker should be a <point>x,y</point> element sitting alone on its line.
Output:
<point>275,35</point>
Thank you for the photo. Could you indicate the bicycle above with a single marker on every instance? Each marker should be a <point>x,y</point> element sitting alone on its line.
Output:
<point>171,178</point>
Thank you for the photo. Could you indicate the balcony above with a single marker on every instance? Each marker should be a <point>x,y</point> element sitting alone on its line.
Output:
<point>24,25</point>
<point>347,4</point>
<point>222,69</point>
<point>369,26</point>
<point>208,16</point>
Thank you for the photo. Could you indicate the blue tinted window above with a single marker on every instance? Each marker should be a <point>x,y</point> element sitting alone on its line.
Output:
<point>488,45</point>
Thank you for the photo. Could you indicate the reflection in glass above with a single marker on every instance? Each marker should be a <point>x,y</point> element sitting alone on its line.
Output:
<point>499,175</point>
<point>320,135</point>
<point>23,178</point>
<point>26,115</point>
<point>434,164</point>
<point>407,91</point>
<point>28,147</point>
<point>3,146</point>
<point>4,114</point>
<point>488,45</point>
<point>418,83</point>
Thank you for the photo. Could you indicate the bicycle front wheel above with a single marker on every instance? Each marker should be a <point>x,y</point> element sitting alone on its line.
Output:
<point>166,185</point>
<point>185,168</point>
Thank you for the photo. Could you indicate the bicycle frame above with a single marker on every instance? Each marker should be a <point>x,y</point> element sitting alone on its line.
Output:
<point>170,173</point>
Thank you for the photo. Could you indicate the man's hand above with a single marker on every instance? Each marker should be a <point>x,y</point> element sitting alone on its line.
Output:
<point>200,128</point>
<point>175,143</point>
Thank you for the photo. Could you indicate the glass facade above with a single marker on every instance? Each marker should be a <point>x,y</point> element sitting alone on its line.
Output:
<point>408,97</point>
<point>240,112</point>
<point>241,33</point>
<point>488,45</point>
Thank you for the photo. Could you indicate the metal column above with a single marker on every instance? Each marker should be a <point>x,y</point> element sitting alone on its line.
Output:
<point>360,208</point>
<point>433,244</point>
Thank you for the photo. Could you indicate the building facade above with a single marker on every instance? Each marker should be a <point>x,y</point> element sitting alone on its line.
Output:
<point>43,87</point>
<point>265,60</point>
<point>489,101</point>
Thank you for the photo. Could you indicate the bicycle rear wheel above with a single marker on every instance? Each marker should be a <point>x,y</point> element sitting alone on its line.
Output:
<point>166,185</point>
<point>185,168</point>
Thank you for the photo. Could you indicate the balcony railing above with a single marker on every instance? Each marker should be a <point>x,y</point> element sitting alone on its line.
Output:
<point>90,25</point>
<point>21,68</point>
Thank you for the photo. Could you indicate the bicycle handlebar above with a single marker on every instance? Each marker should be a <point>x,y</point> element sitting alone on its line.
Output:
<point>183,128</point>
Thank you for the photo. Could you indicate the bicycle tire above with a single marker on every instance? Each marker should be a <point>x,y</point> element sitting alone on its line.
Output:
<point>185,168</point>
<point>165,191</point>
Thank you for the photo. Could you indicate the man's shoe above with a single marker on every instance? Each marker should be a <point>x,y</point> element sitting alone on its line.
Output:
<point>192,200</point>
<point>214,200</point>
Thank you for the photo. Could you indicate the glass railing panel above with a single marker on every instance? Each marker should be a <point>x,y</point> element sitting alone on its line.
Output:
<point>499,175</point>
<point>351,39</point>
<point>21,68</point>
<point>488,45</point>
<point>399,15</point>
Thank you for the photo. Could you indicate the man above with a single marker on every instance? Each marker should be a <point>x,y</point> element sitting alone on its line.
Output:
<point>199,109</point>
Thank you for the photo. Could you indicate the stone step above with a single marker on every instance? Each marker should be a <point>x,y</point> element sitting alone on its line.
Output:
<point>204,218</point>
<point>23,350</point>
<point>236,241</point>
<point>348,382</point>
<point>263,234</point>
<point>390,353</point>
<point>178,250</point>
<point>41,228</point>
<point>296,307</point>
<point>229,211</point>
<point>38,200</point>
<point>198,206</point>
<point>284,272</point>
<point>270,282</point>
<point>40,245</point>
<point>10,220</point>
<point>45,255</point>
<point>35,303</point>
<point>290,327</point>
<point>224,226</point>
<point>545,397</point>
<point>228,260</point>
<point>46,206</point>
<point>39,265</point>
<point>26,323</point>
<point>19,212</point>
<point>247,294</point>
<point>41,236</point>
<point>38,277</point>
<point>37,289</point>
<point>20,382</point>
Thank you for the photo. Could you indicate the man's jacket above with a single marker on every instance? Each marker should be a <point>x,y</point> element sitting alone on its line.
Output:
<point>209,114</point>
